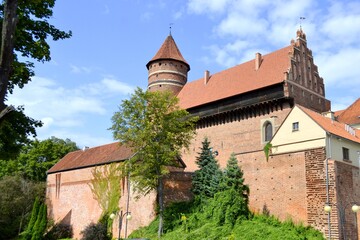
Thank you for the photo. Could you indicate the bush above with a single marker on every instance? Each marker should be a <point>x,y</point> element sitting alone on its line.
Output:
<point>96,231</point>
<point>60,231</point>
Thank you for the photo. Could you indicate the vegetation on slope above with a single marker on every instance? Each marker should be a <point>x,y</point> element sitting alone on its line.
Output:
<point>186,221</point>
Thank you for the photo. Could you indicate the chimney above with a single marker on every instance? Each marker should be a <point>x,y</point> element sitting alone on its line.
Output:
<point>257,61</point>
<point>206,77</point>
<point>329,114</point>
<point>85,148</point>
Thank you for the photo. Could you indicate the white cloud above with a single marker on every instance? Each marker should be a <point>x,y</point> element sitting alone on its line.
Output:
<point>62,109</point>
<point>115,86</point>
<point>241,26</point>
<point>47,122</point>
<point>80,70</point>
<point>207,6</point>
<point>340,69</point>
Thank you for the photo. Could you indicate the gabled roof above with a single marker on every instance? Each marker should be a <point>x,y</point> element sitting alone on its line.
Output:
<point>168,50</point>
<point>237,80</point>
<point>108,153</point>
<point>351,115</point>
<point>331,126</point>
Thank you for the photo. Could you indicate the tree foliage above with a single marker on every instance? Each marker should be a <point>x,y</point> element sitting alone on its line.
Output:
<point>16,201</point>
<point>233,178</point>
<point>206,180</point>
<point>15,128</point>
<point>25,35</point>
<point>153,124</point>
<point>37,157</point>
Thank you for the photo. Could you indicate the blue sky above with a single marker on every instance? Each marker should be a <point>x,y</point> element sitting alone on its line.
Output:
<point>77,92</point>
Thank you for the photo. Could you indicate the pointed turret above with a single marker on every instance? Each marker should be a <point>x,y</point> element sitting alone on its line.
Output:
<point>167,69</point>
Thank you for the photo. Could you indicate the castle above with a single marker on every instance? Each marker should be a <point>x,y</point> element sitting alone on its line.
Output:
<point>277,98</point>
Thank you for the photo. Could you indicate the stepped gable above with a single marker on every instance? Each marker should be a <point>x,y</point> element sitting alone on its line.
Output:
<point>168,51</point>
<point>113,152</point>
<point>237,80</point>
<point>351,115</point>
<point>332,126</point>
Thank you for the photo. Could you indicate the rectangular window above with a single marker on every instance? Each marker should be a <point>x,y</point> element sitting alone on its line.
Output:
<point>57,185</point>
<point>295,126</point>
<point>345,153</point>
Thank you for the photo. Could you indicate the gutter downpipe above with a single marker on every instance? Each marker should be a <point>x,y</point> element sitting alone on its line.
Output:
<point>327,183</point>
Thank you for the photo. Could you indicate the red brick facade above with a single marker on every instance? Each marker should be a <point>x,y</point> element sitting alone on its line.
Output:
<point>71,201</point>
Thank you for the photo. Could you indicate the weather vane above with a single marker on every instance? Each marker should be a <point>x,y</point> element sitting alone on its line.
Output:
<point>301,18</point>
<point>170,27</point>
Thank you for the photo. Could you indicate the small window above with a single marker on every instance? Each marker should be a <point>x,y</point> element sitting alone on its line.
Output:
<point>345,153</point>
<point>295,126</point>
<point>268,131</point>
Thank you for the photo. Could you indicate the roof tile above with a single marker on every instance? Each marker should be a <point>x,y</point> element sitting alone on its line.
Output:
<point>237,80</point>
<point>93,156</point>
<point>351,115</point>
<point>332,126</point>
<point>168,50</point>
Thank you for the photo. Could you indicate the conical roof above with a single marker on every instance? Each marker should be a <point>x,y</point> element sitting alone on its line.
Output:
<point>168,50</point>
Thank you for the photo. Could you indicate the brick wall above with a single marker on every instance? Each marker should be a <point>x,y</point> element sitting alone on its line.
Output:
<point>236,135</point>
<point>75,204</point>
<point>316,191</point>
<point>348,193</point>
<point>277,184</point>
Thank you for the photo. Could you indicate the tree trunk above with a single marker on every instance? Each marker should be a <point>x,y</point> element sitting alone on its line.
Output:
<point>7,47</point>
<point>161,205</point>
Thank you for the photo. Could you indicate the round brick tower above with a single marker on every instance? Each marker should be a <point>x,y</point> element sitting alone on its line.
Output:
<point>167,70</point>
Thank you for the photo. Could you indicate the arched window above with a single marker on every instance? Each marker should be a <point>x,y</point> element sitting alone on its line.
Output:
<point>268,131</point>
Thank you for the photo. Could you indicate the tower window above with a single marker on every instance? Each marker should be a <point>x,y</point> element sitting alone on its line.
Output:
<point>267,131</point>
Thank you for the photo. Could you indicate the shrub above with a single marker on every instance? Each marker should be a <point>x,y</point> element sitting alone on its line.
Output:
<point>59,231</point>
<point>96,231</point>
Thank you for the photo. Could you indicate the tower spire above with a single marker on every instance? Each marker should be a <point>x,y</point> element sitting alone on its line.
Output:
<point>301,18</point>
<point>170,24</point>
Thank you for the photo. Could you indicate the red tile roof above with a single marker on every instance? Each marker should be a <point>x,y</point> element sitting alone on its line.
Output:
<point>331,126</point>
<point>168,50</point>
<point>92,156</point>
<point>351,115</point>
<point>237,80</point>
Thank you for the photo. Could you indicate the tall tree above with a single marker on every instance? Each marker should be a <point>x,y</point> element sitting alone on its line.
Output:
<point>234,178</point>
<point>25,34</point>
<point>206,180</point>
<point>37,157</point>
<point>157,129</point>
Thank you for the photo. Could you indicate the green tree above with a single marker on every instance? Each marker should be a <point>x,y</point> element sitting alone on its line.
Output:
<point>234,178</point>
<point>25,35</point>
<point>15,128</point>
<point>16,201</point>
<point>37,157</point>
<point>207,178</point>
<point>34,214</point>
<point>155,127</point>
